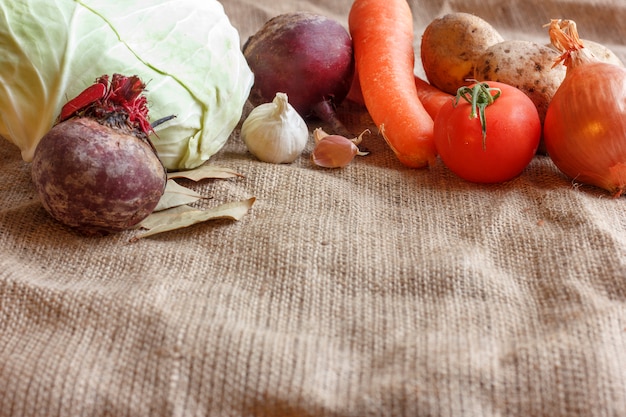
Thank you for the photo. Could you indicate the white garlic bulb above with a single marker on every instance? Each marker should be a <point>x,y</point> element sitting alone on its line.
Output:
<point>275,132</point>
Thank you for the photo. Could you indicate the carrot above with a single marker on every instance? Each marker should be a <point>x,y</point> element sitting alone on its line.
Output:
<point>382,38</point>
<point>431,97</point>
<point>355,94</point>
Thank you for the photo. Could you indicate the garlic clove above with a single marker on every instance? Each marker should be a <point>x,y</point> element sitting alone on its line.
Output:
<point>334,151</point>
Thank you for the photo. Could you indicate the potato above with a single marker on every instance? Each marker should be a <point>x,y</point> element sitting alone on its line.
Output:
<point>525,65</point>
<point>451,44</point>
<point>529,67</point>
<point>602,52</point>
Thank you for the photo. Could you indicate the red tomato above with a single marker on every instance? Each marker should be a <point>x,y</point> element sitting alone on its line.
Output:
<point>513,130</point>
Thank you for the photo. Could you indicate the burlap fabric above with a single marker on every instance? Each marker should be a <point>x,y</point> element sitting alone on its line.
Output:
<point>374,290</point>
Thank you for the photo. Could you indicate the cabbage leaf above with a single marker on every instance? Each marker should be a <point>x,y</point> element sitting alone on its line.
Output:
<point>186,51</point>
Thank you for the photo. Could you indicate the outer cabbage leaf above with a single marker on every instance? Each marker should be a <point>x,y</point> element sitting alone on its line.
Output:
<point>186,51</point>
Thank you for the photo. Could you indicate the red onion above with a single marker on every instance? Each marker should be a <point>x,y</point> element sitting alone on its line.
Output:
<point>308,57</point>
<point>585,125</point>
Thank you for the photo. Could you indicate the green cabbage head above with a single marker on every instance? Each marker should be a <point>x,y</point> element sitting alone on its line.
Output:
<point>185,51</point>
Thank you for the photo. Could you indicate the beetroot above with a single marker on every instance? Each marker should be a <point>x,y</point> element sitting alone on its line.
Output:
<point>96,170</point>
<point>306,56</point>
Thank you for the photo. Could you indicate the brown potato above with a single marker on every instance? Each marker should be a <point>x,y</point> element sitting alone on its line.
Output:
<point>525,65</point>
<point>451,44</point>
<point>529,67</point>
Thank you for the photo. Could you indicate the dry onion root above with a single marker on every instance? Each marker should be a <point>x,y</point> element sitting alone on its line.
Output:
<point>585,125</point>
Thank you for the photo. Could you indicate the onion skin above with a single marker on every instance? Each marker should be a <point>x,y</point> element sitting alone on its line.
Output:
<point>307,56</point>
<point>97,179</point>
<point>585,126</point>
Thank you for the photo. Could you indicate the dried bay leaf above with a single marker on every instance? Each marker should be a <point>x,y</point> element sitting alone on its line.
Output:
<point>185,216</point>
<point>205,171</point>
<point>156,218</point>
<point>176,195</point>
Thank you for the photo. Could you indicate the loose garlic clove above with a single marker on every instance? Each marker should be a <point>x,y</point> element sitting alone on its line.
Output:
<point>334,151</point>
<point>275,132</point>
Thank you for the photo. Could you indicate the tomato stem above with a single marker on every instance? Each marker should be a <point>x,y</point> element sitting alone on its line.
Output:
<point>479,96</point>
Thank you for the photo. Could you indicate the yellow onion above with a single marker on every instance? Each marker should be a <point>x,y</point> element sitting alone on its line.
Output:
<point>585,125</point>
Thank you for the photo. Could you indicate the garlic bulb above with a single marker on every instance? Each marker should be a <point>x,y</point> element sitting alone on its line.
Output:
<point>275,132</point>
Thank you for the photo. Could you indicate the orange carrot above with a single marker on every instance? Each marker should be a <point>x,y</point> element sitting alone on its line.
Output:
<point>355,94</point>
<point>382,38</point>
<point>431,97</point>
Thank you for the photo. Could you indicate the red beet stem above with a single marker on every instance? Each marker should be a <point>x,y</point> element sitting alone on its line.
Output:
<point>326,112</point>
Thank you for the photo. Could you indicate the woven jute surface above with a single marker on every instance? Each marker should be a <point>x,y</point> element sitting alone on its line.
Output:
<point>373,290</point>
